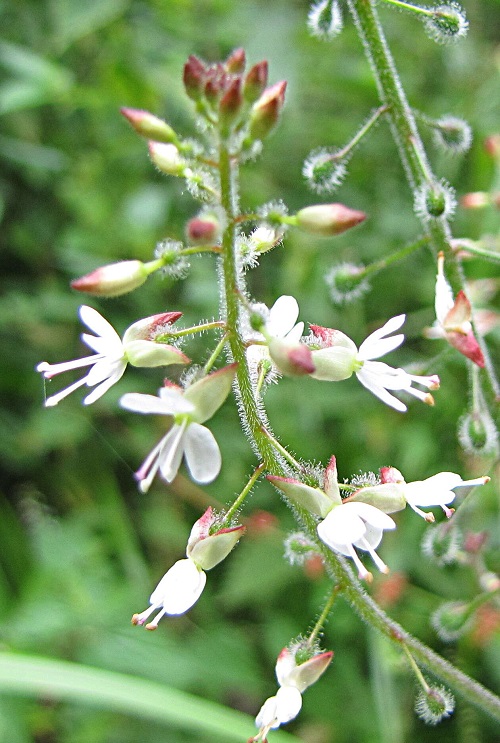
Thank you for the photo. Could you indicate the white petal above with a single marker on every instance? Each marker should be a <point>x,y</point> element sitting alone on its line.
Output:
<point>102,388</point>
<point>50,370</point>
<point>371,383</point>
<point>140,403</point>
<point>380,348</point>
<point>179,588</point>
<point>282,316</point>
<point>368,348</point>
<point>295,334</point>
<point>341,527</point>
<point>96,322</point>
<point>288,704</point>
<point>435,491</point>
<point>105,346</point>
<point>202,453</point>
<point>104,369</point>
<point>444,298</point>
<point>53,400</point>
<point>170,456</point>
<point>371,515</point>
<point>371,539</point>
<point>176,400</point>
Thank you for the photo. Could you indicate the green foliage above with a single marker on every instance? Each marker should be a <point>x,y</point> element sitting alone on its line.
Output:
<point>81,548</point>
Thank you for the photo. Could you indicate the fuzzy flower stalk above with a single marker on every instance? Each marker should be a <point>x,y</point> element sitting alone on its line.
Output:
<point>182,585</point>
<point>113,354</point>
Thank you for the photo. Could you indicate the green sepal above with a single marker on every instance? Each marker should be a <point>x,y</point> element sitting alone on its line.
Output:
<point>387,497</point>
<point>313,500</point>
<point>209,393</point>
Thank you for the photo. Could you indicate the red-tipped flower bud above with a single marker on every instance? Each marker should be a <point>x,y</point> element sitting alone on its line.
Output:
<point>203,230</point>
<point>230,103</point>
<point>235,63</point>
<point>475,200</point>
<point>148,125</point>
<point>194,77</point>
<point>255,81</point>
<point>266,111</point>
<point>166,157</point>
<point>328,219</point>
<point>113,280</point>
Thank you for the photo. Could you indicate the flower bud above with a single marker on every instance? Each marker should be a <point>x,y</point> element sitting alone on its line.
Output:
<point>206,549</point>
<point>346,282</point>
<point>447,23</point>
<point>255,81</point>
<point>235,63</point>
<point>434,704</point>
<point>443,544</point>
<point>435,200</point>
<point>453,619</point>
<point>266,111</point>
<point>203,230</point>
<point>230,104</point>
<point>166,157</point>
<point>328,219</point>
<point>452,134</point>
<point>148,328</point>
<point>194,77</point>
<point>149,126</point>
<point>298,548</point>
<point>292,359</point>
<point>324,170</point>
<point>314,500</point>
<point>475,200</point>
<point>492,145</point>
<point>325,19</point>
<point>141,348</point>
<point>113,280</point>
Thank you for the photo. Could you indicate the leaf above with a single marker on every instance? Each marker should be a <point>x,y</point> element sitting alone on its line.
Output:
<point>33,676</point>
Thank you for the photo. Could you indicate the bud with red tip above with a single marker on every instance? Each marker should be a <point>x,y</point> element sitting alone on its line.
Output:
<point>194,77</point>
<point>235,63</point>
<point>255,81</point>
<point>205,229</point>
<point>230,105</point>
<point>113,280</point>
<point>150,126</point>
<point>328,219</point>
<point>266,111</point>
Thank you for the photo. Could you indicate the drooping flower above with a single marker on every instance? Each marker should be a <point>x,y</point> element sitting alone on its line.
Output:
<point>438,490</point>
<point>356,524</point>
<point>182,585</point>
<point>186,437</point>
<point>453,319</point>
<point>282,333</point>
<point>337,358</point>
<point>293,680</point>
<point>112,354</point>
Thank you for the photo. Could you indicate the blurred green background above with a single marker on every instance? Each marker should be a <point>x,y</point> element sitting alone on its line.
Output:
<point>81,549</point>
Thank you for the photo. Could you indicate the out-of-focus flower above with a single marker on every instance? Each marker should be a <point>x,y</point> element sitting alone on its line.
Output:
<point>187,409</point>
<point>453,319</point>
<point>337,358</point>
<point>113,354</point>
<point>293,680</point>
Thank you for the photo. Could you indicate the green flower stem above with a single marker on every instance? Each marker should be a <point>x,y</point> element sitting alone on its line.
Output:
<point>398,255</point>
<point>240,499</point>
<point>281,449</point>
<point>253,421</point>
<point>474,248</point>
<point>340,154</point>
<point>429,12</point>
<point>416,670</point>
<point>320,623</point>
<point>195,249</point>
<point>190,331</point>
<point>414,158</point>
<point>216,353</point>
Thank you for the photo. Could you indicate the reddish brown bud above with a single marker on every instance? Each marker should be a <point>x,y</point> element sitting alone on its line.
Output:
<point>148,125</point>
<point>202,231</point>
<point>492,145</point>
<point>475,200</point>
<point>266,111</point>
<point>328,219</point>
<point>194,77</point>
<point>255,81</point>
<point>112,280</point>
<point>235,63</point>
<point>230,103</point>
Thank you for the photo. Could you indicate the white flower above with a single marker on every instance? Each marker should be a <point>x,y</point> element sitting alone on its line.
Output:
<point>438,490</point>
<point>186,437</point>
<point>281,324</point>
<point>339,358</point>
<point>453,319</point>
<point>112,354</point>
<point>293,680</point>
<point>356,524</point>
<point>177,591</point>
